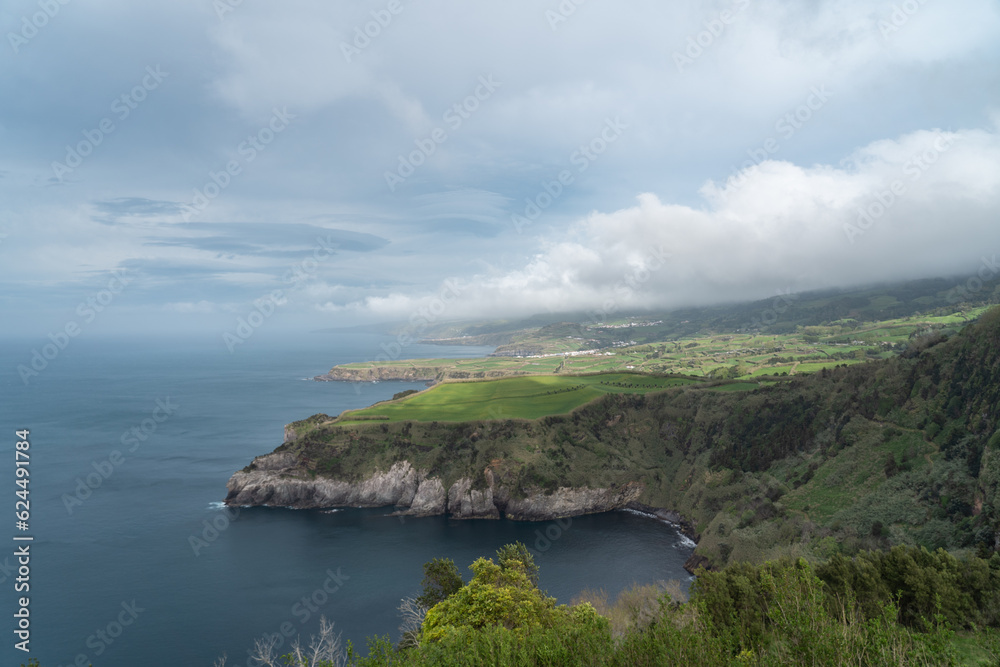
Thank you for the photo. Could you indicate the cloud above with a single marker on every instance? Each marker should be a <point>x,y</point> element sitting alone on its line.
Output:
<point>276,240</point>
<point>122,209</point>
<point>923,204</point>
<point>730,232</point>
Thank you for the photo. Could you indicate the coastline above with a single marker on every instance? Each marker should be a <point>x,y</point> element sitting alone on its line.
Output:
<point>277,480</point>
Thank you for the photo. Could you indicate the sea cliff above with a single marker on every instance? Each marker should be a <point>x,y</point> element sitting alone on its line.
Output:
<point>280,479</point>
<point>400,373</point>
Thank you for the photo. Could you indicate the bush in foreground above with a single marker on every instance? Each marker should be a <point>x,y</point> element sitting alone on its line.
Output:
<point>779,613</point>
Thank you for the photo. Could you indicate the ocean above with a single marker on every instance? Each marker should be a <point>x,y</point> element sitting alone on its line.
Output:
<point>135,563</point>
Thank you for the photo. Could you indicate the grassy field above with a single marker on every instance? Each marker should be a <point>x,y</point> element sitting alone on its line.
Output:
<point>711,355</point>
<point>529,387</point>
<point>509,398</point>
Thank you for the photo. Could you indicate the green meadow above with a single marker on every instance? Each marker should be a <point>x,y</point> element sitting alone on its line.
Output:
<point>718,355</point>
<point>524,397</point>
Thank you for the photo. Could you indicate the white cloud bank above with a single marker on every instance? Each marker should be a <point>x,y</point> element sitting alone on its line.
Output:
<point>925,204</point>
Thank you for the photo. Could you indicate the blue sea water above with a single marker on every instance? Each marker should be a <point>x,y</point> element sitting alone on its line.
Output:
<point>143,567</point>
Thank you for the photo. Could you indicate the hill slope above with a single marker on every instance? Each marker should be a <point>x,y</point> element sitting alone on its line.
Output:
<point>900,451</point>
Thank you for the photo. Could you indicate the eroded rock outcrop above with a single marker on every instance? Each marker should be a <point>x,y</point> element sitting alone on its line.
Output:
<point>382,374</point>
<point>393,373</point>
<point>279,479</point>
<point>566,501</point>
<point>696,561</point>
<point>471,503</point>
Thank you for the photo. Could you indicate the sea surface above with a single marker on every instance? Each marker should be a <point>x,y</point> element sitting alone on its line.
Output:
<point>135,562</point>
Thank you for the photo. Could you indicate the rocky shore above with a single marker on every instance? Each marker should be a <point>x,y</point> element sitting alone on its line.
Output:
<point>382,374</point>
<point>281,479</point>
<point>395,373</point>
<point>278,479</point>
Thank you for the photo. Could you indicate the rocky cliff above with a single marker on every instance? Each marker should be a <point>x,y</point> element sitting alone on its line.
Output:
<point>410,374</point>
<point>279,479</point>
<point>382,374</point>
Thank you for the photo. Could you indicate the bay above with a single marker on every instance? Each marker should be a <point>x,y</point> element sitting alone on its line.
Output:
<point>134,562</point>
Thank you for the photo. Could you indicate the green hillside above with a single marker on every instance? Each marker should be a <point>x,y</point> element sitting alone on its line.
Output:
<point>899,451</point>
<point>510,398</point>
<point>714,344</point>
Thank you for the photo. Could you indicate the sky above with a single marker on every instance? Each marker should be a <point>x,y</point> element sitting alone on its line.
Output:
<point>179,167</point>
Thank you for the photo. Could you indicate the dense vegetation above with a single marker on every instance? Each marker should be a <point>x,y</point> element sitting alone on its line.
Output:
<point>906,606</point>
<point>901,607</point>
<point>901,451</point>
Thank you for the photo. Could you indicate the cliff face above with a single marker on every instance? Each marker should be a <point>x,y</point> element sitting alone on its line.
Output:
<point>567,502</point>
<point>278,479</point>
<point>382,374</point>
<point>409,374</point>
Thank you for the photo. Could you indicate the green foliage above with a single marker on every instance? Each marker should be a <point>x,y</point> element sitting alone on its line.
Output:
<point>496,596</point>
<point>516,556</point>
<point>403,394</point>
<point>502,612</point>
<point>810,466</point>
<point>778,613</point>
<point>923,585</point>
<point>441,579</point>
<point>584,641</point>
<point>634,608</point>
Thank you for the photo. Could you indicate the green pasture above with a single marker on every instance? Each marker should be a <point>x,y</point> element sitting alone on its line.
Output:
<point>522,397</point>
<point>813,367</point>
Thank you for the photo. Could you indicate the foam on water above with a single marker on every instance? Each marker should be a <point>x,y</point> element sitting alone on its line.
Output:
<point>684,542</point>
